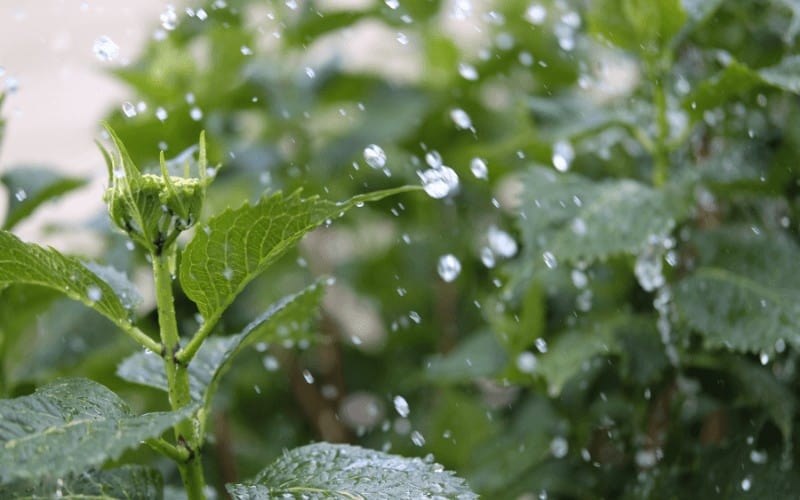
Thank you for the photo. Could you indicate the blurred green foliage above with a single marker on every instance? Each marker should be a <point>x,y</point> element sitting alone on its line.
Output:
<point>641,341</point>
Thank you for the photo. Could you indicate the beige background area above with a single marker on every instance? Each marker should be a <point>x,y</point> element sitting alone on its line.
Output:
<point>63,90</point>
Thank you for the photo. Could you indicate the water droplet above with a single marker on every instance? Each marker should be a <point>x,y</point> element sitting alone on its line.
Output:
<point>201,14</point>
<point>563,154</point>
<point>270,363</point>
<point>501,243</point>
<point>245,50</point>
<point>747,483</point>
<point>439,182</point>
<point>227,273</point>
<point>402,38</point>
<point>128,109</point>
<point>169,18</point>
<point>479,169</point>
<point>161,113</point>
<point>94,293</point>
<point>308,377</point>
<point>433,159</point>
<point>648,269</point>
<point>12,84</point>
<point>105,49</point>
<point>535,14</point>
<point>461,119</point>
<point>541,345</point>
<point>758,457</point>
<point>559,447</point>
<point>310,72</point>
<point>401,406</point>
<point>196,114</point>
<point>579,278</point>
<point>527,362</point>
<point>292,4</point>
<point>417,438</point>
<point>392,4</point>
<point>449,267</point>
<point>375,156</point>
<point>21,195</point>
<point>467,71</point>
<point>487,257</point>
<point>549,260</point>
<point>415,317</point>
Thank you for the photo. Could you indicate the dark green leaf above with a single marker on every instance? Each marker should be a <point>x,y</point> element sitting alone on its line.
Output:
<point>129,482</point>
<point>30,187</point>
<point>342,471</point>
<point>32,264</point>
<point>69,426</point>
<point>284,319</point>
<point>238,245</point>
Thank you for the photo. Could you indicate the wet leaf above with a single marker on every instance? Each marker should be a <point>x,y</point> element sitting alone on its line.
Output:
<point>30,187</point>
<point>238,245</point>
<point>123,483</point>
<point>575,218</point>
<point>31,264</point>
<point>326,470</point>
<point>212,358</point>
<point>69,426</point>
<point>478,356</point>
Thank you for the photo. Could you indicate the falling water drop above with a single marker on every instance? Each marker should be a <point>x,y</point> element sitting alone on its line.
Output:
<point>169,18</point>
<point>401,406</point>
<point>563,154</point>
<point>375,156</point>
<point>439,182</point>
<point>128,109</point>
<point>467,71</point>
<point>501,243</point>
<point>449,267</point>
<point>461,119</point>
<point>479,169</point>
<point>105,49</point>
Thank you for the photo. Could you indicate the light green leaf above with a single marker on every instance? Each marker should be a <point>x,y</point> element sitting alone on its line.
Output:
<point>576,218</point>
<point>238,245</point>
<point>30,187</point>
<point>69,426</point>
<point>741,297</point>
<point>124,483</point>
<point>283,320</point>
<point>32,264</point>
<point>566,355</point>
<point>641,26</point>
<point>325,470</point>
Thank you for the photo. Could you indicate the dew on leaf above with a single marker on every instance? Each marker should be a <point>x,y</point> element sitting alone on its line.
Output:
<point>128,109</point>
<point>648,269</point>
<point>439,182</point>
<point>21,195</point>
<point>375,156</point>
<point>401,406</point>
<point>94,293</point>
<point>105,49</point>
<point>479,169</point>
<point>227,273</point>
<point>448,267</point>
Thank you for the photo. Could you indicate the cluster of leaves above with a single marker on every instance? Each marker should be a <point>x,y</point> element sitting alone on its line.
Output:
<point>642,342</point>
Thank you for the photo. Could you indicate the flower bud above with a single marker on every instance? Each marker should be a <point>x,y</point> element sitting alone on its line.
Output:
<point>152,209</point>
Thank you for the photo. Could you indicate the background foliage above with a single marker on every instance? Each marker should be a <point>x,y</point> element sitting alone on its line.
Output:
<point>638,338</point>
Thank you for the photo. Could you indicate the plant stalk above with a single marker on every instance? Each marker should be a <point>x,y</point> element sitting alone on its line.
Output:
<point>187,435</point>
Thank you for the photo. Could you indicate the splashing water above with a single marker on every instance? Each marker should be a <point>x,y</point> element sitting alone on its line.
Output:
<point>527,362</point>
<point>461,119</point>
<point>439,182</point>
<point>105,49</point>
<point>467,71</point>
<point>401,406</point>
<point>501,243</point>
<point>375,156</point>
<point>563,154</point>
<point>449,267</point>
<point>479,169</point>
<point>433,159</point>
<point>169,18</point>
<point>536,14</point>
<point>128,109</point>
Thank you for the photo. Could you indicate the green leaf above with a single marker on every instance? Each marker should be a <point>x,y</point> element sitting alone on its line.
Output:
<point>238,245</point>
<point>478,356</point>
<point>576,218</point>
<point>69,426</point>
<point>741,297</point>
<point>32,264</point>
<point>123,483</point>
<point>283,319</point>
<point>641,26</point>
<point>759,386</point>
<point>326,470</point>
<point>30,187</point>
<point>566,355</point>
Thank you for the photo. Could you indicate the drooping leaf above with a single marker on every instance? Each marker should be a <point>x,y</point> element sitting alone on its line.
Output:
<point>282,320</point>
<point>740,296</point>
<point>32,264</point>
<point>69,426</point>
<point>575,218</point>
<point>237,245</point>
<point>325,470</point>
<point>30,187</point>
<point>122,483</point>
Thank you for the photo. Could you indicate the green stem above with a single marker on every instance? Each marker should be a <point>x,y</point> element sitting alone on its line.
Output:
<point>140,337</point>
<point>186,354</point>
<point>177,454</point>
<point>661,156</point>
<point>186,434</point>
